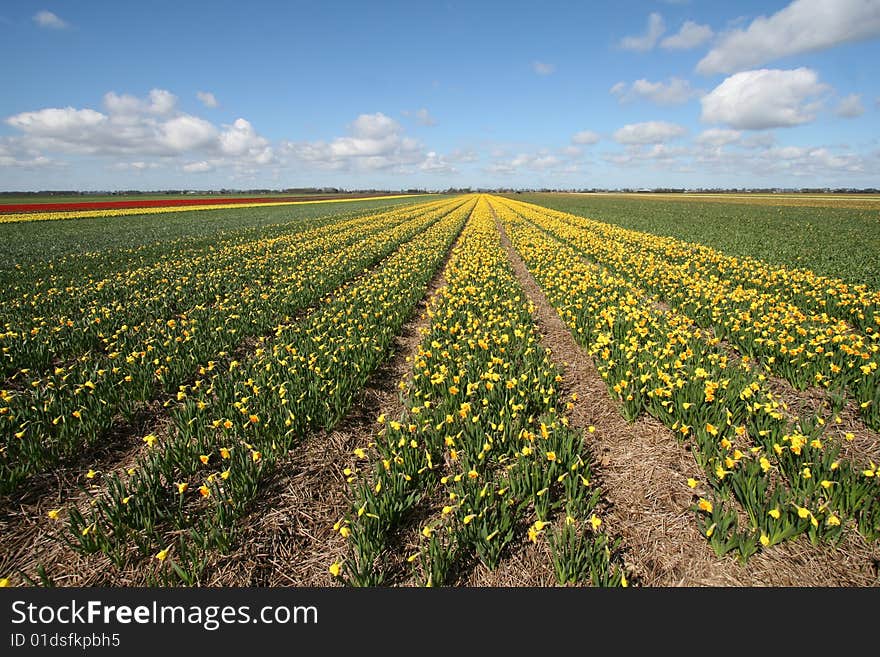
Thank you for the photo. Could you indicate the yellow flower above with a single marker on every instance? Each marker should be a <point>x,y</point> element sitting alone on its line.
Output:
<point>256,456</point>
<point>4,582</point>
<point>253,419</point>
<point>705,505</point>
<point>427,531</point>
<point>473,474</point>
<point>204,458</point>
<point>53,514</point>
<point>595,521</point>
<point>162,554</point>
<point>711,428</point>
<point>181,487</point>
<point>765,464</point>
<point>765,540</point>
<point>803,512</point>
<point>774,513</point>
<point>205,491</point>
<point>551,456</point>
<point>91,474</point>
<point>468,519</point>
<point>150,439</point>
<point>447,510</point>
<point>335,568</point>
<point>227,424</point>
<point>692,483</point>
<point>833,520</point>
<point>224,453</point>
<point>345,531</point>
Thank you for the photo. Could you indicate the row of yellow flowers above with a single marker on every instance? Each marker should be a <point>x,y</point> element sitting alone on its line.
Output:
<point>751,304</point>
<point>75,307</point>
<point>483,435</point>
<point>124,212</point>
<point>179,503</point>
<point>783,473</point>
<point>48,415</point>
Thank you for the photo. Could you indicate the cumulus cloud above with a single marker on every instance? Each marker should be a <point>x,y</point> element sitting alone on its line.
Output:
<point>436,163</point>
<point>585,138</point>
<point>645,42</point>
<point>49,20</point>
<point>649,132</point>
<point>660,154</point>
<point>765,98</point>
<point>543,68</point>
<point>198,167</point>
<point>240,140</point>
<point>539,162</point>
<point>160,102</point>
<point>675,92</point>
<point>689,36</point>
<point>850,107</point>
<point>135,166</point>
<point>137,128</point>
<point>375,142</point>
<point>803,26</point>
<point>207,98</point>
<point>718,137</point>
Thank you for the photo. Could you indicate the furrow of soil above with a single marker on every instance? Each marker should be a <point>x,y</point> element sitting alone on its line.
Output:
<point>31,538</point>
<point>643,471</point>
<point>288,540</point>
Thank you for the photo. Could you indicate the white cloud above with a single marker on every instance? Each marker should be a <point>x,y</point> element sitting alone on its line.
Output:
<point>207,98</point>
<point>435,163</point>
<point>718,137</point>
<point>541,161</point>
<point>571,151</point>
<point>765,98</point>
<point>375,142</point>
<point>198,167</point>
<point>64,123</point>
<point>689,36</point>
<point>650,132</point>
<point>186,132</point>
<point>543,68</point>
<point>160,102</point>
<point>675,92</point>
<point>585,137</point>
<point>138,128</point>
<point>850,107</point>
<point>49,20</point>
<point>135,166</point>
<point>241,140</point>
<point>803,26</point>
<point>656,28</point>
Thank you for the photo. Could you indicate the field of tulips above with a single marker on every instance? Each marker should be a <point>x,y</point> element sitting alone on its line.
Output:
<point>159,382</point>
<point>701,367</point>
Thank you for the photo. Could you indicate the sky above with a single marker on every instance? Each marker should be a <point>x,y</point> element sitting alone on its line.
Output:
<point>114,95</point>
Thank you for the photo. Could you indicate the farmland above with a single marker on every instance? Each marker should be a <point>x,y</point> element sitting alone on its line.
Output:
<point>468,390</point>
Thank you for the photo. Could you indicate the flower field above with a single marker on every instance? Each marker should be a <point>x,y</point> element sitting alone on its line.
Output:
<point>158,393</point>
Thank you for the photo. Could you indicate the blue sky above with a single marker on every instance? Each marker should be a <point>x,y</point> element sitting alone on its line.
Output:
<point>206,95</point>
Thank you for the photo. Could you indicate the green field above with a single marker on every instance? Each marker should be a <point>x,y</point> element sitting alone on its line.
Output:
<point>99,241</point>
<point>840,242</point>
<point>100,198</point>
